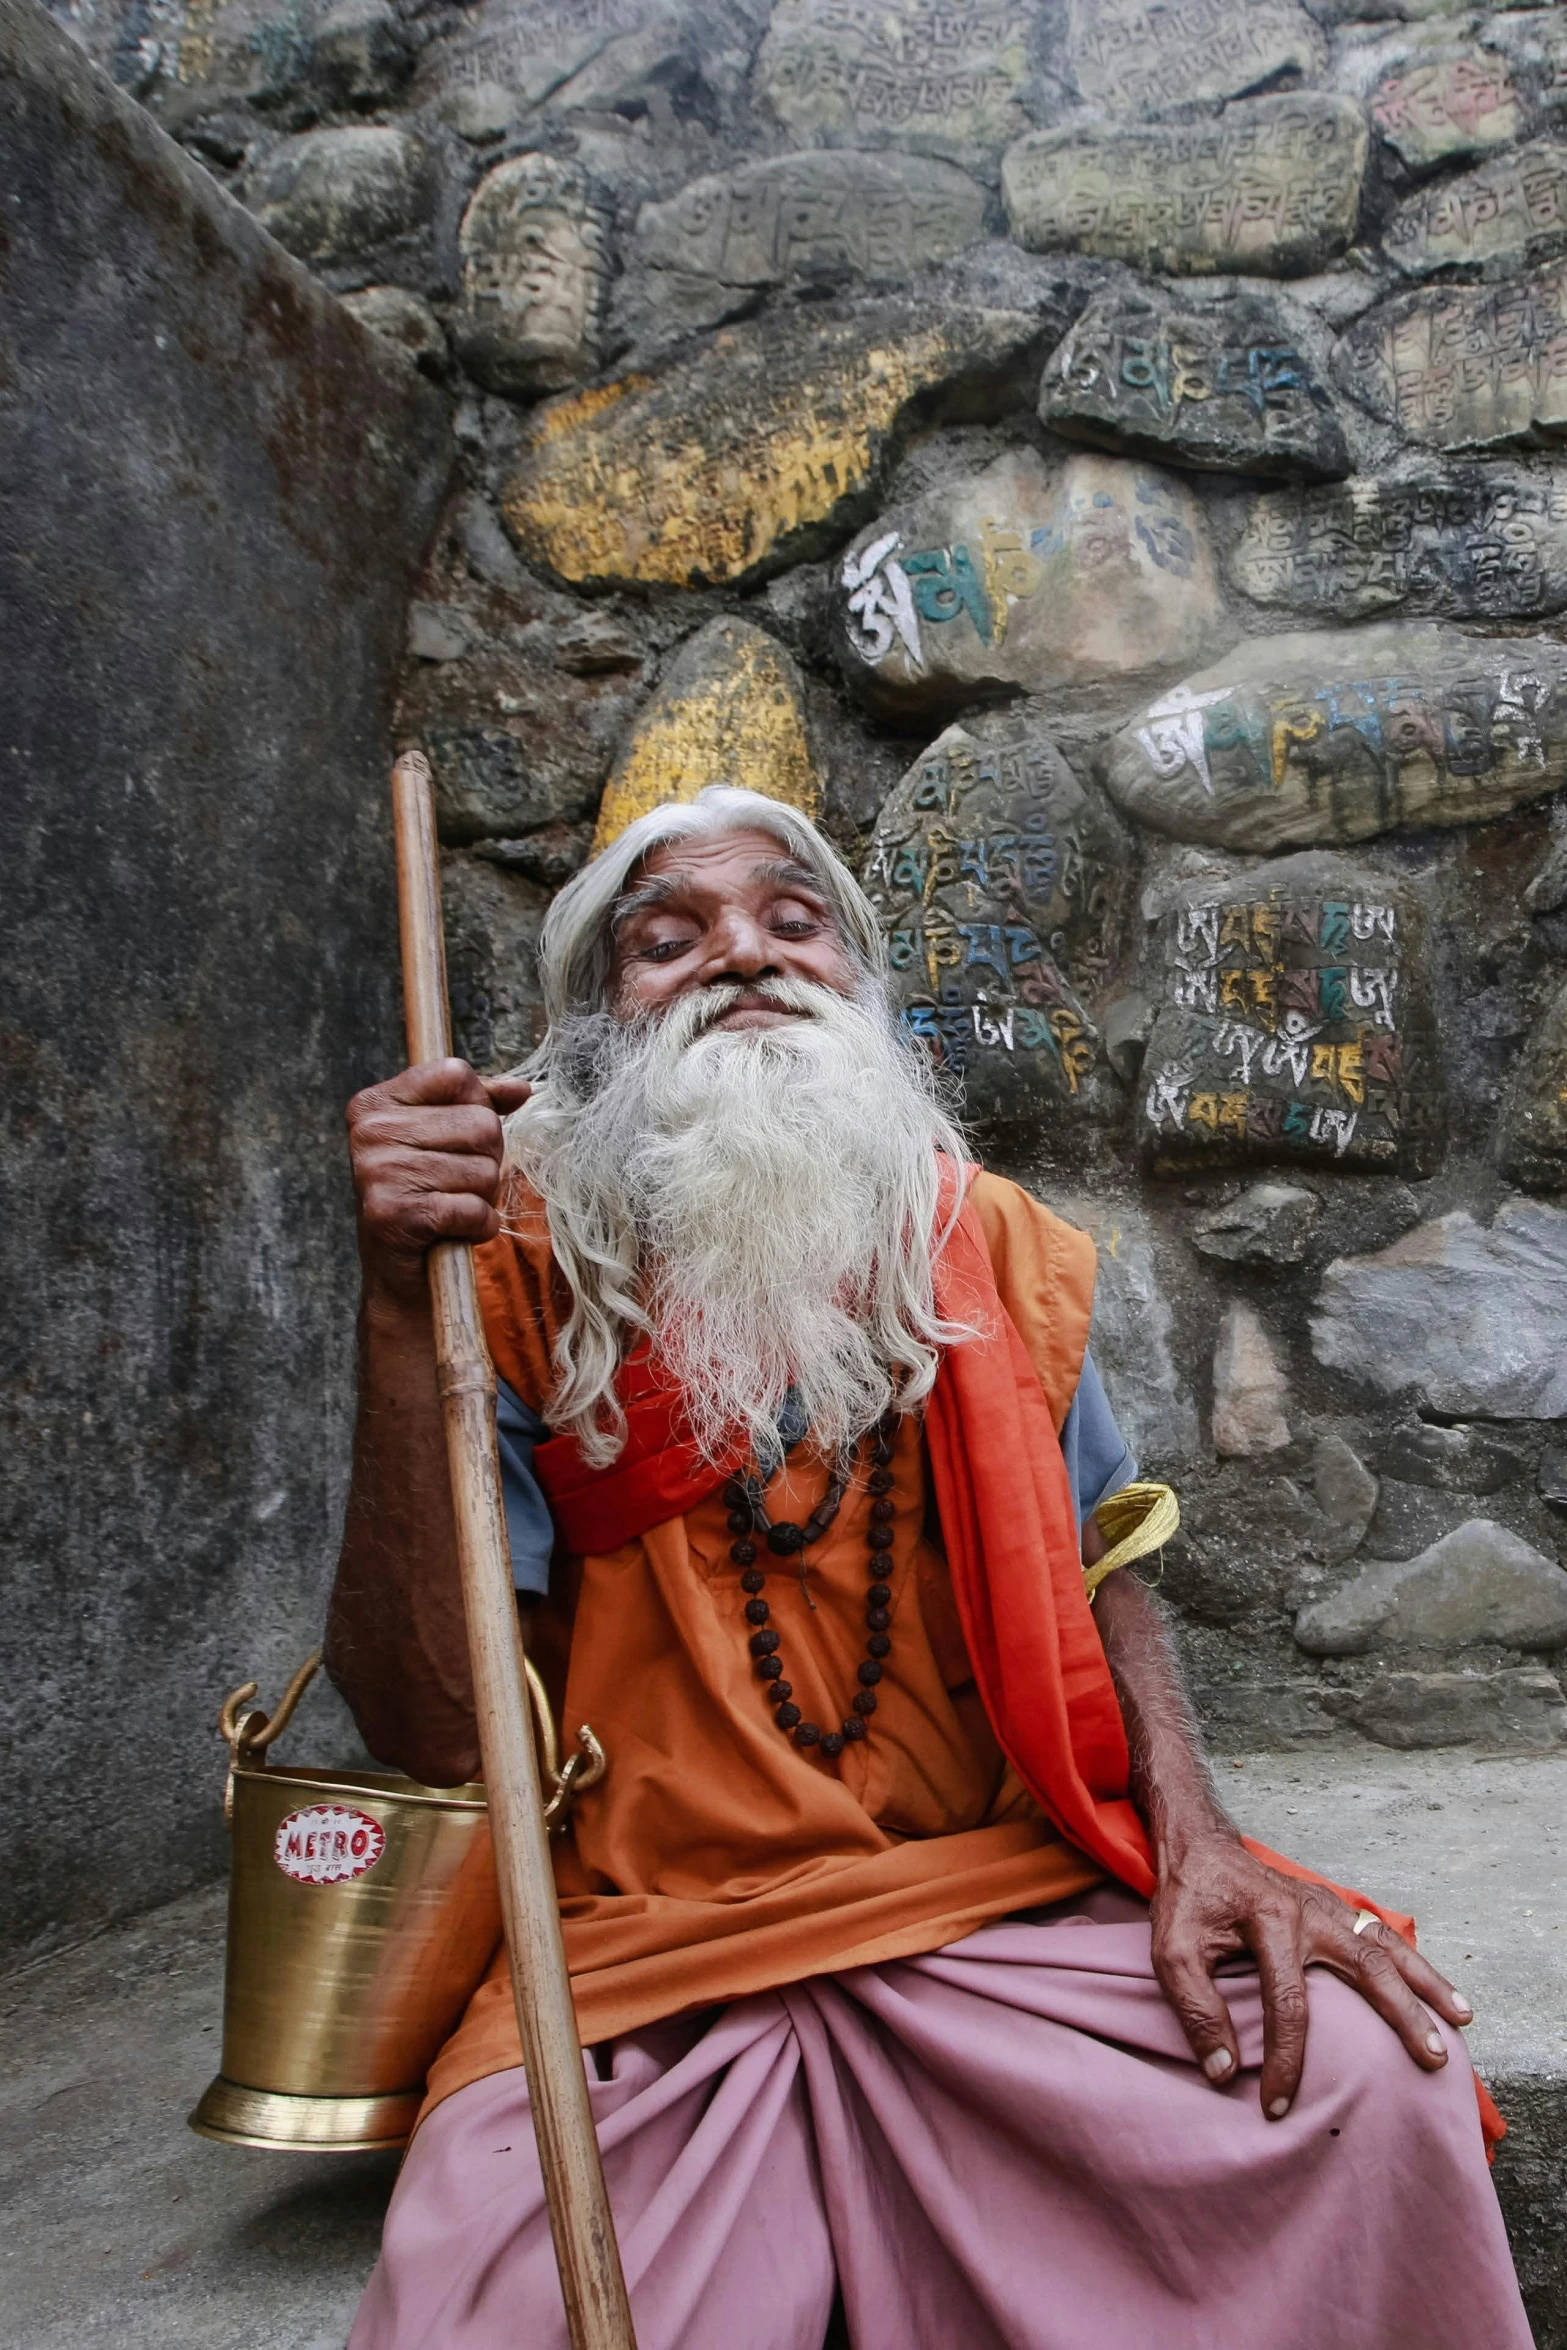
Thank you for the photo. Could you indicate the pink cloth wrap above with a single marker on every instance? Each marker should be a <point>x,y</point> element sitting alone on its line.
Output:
<point>1005,2145</point>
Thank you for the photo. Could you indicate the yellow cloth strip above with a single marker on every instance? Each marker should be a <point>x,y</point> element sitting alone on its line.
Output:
<point>1138,1519</point>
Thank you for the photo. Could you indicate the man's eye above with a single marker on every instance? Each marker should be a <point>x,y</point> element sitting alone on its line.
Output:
<point>664,950</point>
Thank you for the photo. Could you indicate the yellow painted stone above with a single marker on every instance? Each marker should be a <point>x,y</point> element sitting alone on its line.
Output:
<point>730,711</point>
<point>700,472</point>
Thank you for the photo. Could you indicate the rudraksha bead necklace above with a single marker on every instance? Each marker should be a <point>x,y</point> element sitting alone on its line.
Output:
<point>748,1518</point>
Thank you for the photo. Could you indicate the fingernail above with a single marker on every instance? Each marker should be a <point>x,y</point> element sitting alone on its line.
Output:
<point>1278,2109</point>
<point>1218,2064</point>
<point>1436,2043</point>
<point>1461,2004</point>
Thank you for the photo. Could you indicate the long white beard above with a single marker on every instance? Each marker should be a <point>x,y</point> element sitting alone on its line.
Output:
<point>761,1201</point>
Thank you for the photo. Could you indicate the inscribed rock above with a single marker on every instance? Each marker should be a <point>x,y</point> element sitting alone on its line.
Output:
<point>944,81</point>
<point>1138,56</point>
<point>1464,366</point>
<point>1437,109</point>
<point>1511,210</point>
<point>534,274</point>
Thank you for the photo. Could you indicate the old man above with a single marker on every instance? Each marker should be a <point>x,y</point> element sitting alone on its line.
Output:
<point>894,1923</point>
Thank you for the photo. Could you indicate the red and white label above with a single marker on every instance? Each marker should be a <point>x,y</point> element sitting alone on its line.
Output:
<point>328,1844</point>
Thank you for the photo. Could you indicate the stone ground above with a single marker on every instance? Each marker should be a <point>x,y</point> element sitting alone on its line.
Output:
<point>116,2224</point>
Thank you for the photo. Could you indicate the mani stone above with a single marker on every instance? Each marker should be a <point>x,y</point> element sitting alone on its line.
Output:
<point>1510,210</point>
<point>1479,1587</point>
<point>1533,1144</point>
<point>524,51</point>
<point>1292,1025</point>
<point>1268,1225</point>
<point>816,219</point>
<point>1464,367</point>
<point>339,199</point>
<point>995,876</point>
<point>1336,735</point>
<point>1143,56</point>
<point>1026,575</point>
<point>1467,1317</point>
<point>534,273</point>
<point>1521,1706</point>
<point>751,451</point>
<point>1220,386</point>
<point>1439,109</point>
<point>1476,542</point>
<point>1269,188</point>
<point>730,710</point>
<point>942,81</point>
<point>1249,1388</point>
<point>1453,1460</point>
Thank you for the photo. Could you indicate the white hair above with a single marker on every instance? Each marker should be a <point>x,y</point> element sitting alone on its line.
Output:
<point>762,1205</point>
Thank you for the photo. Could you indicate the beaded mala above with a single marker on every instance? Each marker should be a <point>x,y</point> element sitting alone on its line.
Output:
<point>748,1518</point>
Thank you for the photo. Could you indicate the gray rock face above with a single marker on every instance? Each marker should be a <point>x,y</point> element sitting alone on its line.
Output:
<point>1136,57</point>
<point>361,53</point>
<point>1440,108</point>
<point>1532,1145</point>
<point>1520,1708</point>
<point>405,321</point>
<point>1026,575</point>
<point>1455,1460</point>
<point>1268,1225</point>
<point>1270,189</point>
<point>354,203</point>
<point>1250,1391</point>
<point>1292,1026</point>
<point>1221,387</point>
<point>1551,1477</point>
<point>1345,1491</point>
<point>1469,1316</point>
<point>994,874</point>
<point>1409,1518</point>
<point>1479,1587</point>
<point>1509,211</point>
<point>1133,1326</point>
<point>534,277</point>
<point>1337,736</point>
<point>818,219</point>
<point>493,917</point>
<point>939,83</point>
<point>1463,367</point>
<point>1470,542</point>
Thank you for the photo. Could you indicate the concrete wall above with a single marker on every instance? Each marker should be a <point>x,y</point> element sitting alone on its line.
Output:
<point>214,489</point>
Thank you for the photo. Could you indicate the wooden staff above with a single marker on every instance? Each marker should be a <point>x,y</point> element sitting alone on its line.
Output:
<point>598,2313</point>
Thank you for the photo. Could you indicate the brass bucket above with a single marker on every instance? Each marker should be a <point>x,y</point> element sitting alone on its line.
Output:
<point>363,1913</point>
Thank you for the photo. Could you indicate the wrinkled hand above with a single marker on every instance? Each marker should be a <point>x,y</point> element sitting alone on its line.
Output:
<point>426,1149</point>
<point>1218,1901</point>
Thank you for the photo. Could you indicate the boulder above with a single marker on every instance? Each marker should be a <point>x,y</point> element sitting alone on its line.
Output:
<point>1479,1587</point>
<point>406,321</point>
<point>1221,386</point>
<point>1506,212</point>
<point>753,450</point>
<point>1409,1518</point>
<point>360,54</point>
<point>1339,735</point>
<point>1521,1707</point>
<point>1467,1316</point>
<point>1137,57</point>
<point>1345,1491</point>
<point>1463,367</point>
<point>1467,542</point>
<point>534,277</point>
<point>816,219</point>
<point>526,51</point>
<point>1269,189</point>
<point>1026,576</point>
<point>730,709</point>
<point>1268,1225</point>
<point>493,919</point>
<point>1438,109</point>
<point>1455,1460</point>
<point>356,203</point>
<point>1532,1145</point>
<point>996,876</point>
<point>1250,1390</point>
<point>1292,1026</point>
<point>939,82</point>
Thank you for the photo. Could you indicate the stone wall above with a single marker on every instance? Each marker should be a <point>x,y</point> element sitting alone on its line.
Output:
<point>1105,455</point>
<point>215,490</point>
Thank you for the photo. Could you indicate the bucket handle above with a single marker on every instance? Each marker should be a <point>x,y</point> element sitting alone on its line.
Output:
<point>248,1735</point>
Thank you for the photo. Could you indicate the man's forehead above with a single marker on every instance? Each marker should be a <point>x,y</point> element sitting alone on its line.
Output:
<point>746,858</point>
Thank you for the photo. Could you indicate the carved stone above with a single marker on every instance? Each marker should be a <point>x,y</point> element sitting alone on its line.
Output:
<point>1293,1026</point>
<point>751,451</point>
<point>534,271</point>
<point>1335,736</point>
<point>1476,542</point>
<point>528,49</point>
<point>1534,1127</point>
<point>1026,575</point>
<point>730,710</point>
<point>998,878</point>
<point>820,218</point>
<point>1437,109</point>
<point>1221,386</point>
<point>943,81</point>
<point>1138,57</point>
<point>1508,211</point>
<point>1464,366</point>
<point>1270,187</point>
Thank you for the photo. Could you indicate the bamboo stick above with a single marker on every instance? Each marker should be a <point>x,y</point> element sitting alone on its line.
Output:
<point>598,2314</point>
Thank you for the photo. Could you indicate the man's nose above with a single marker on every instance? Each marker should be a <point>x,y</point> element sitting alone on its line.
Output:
<point>740,949</point>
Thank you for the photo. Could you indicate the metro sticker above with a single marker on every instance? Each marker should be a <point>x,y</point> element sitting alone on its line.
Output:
<point>327,1844</point>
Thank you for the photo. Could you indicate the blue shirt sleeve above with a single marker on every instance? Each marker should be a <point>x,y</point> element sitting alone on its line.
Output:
<point>1099,1461</point>
<point>528,1526</point>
